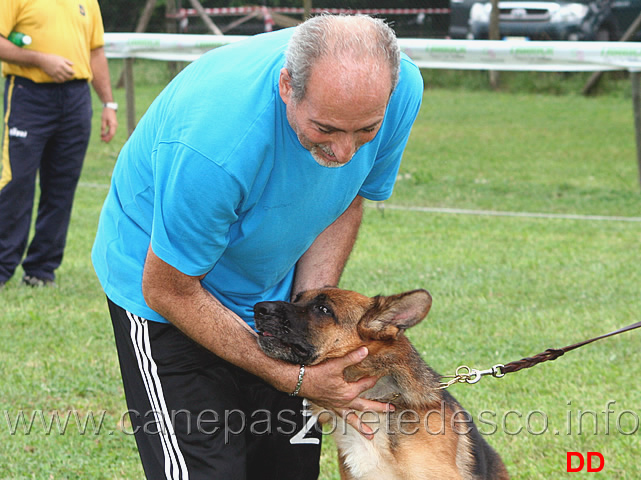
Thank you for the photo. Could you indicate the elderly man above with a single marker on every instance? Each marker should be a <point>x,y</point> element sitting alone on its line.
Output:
<point>226,195</point>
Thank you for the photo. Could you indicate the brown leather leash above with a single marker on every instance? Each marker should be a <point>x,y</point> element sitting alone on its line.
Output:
<point>469,375</point>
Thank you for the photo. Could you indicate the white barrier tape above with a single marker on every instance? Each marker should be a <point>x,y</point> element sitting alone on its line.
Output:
<point>426,53</point>
<point>523,55</point>
<point>164,46</point>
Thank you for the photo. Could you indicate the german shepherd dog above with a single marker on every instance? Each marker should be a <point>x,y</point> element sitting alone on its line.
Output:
<point>429,435</point>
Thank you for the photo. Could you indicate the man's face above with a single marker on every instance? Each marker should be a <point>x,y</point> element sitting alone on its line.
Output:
<point>342,110</point>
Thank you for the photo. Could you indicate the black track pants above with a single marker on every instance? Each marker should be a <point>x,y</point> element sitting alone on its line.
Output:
<point>196,416</point>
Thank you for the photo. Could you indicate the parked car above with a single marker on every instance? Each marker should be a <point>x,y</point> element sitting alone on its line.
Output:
<point>601,20</point>
<point>460,18</point>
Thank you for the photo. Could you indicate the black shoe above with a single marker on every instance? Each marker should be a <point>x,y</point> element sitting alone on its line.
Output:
<point>31,281</point>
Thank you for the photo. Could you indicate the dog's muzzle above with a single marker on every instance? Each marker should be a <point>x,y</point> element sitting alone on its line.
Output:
<point>279,334</point>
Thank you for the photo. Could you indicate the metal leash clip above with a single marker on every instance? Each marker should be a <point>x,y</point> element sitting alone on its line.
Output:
<point>465,374</point>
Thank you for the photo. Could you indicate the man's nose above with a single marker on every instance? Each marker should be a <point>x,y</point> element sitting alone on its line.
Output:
<point>344,148</point>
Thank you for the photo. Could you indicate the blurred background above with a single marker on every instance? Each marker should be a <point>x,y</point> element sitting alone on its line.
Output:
<point>124,15</point>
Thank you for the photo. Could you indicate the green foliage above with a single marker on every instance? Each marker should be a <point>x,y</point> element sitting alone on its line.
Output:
<point>503,288</point>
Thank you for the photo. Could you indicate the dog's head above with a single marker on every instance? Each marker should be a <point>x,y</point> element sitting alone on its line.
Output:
<point>330,322</point>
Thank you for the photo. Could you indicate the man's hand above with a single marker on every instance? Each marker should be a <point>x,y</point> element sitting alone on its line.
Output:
<point>58,68</point>
<point>325,386</point>
<point>108,124</point>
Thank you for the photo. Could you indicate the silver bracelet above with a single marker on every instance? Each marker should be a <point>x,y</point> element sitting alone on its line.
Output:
<point>301,372</point>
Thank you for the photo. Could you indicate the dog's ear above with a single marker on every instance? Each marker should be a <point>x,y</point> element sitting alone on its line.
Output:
<point>391,315</point>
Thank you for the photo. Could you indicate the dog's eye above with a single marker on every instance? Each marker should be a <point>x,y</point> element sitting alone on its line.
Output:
<point>324,309</point>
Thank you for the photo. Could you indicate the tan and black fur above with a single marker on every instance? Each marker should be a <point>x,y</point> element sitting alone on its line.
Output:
<point>429,435</point>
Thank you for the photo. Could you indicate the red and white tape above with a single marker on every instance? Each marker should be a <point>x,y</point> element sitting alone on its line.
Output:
<point>191,12</point>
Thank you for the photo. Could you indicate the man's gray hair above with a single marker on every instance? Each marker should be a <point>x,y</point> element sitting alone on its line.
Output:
<point>355,37</point>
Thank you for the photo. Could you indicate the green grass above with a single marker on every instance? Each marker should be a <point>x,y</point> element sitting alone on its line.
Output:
<point>503,288</point>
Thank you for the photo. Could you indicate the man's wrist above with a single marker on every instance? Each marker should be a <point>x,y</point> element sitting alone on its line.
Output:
<point>111,105</point>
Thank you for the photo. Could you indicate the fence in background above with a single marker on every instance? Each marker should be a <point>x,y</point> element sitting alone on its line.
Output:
<point>426,53</point>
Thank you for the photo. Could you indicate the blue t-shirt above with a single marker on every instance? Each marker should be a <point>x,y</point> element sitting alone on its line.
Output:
<point>217,181</point>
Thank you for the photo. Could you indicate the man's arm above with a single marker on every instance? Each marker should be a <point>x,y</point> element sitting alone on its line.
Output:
<point>58,68</point>
<point>183,301</point>
<point>322,265</point>
<point>102,85</point>
<point>324,261</point>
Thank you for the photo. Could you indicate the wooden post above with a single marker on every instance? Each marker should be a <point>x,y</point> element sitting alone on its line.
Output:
<point>128,73</point>
<point>494,33</point>
<point>636,103</point>
<point>171,27</point>
<point>307,9</point>
<point>140,27</point>
<point>146,16</point>
<point>284,20</point>
<point>205,18</point>
<point>240,21</point>
<point>170,21</point>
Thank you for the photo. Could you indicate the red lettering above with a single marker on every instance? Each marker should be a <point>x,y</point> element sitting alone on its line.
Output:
<point>569,460</point>
<point>591,455</point>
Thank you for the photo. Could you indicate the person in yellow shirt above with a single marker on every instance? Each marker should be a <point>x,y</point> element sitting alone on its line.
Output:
<point>47,124</point>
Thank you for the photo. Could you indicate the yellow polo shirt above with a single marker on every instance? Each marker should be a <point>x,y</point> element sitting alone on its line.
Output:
<point>69,28</point>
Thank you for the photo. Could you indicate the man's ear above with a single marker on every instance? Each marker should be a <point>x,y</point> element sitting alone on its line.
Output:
<point>285,86</point>
<point>391,315</point>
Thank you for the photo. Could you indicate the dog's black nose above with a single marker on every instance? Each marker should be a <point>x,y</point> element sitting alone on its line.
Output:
<point>263,308</point>
<point>275,309</point>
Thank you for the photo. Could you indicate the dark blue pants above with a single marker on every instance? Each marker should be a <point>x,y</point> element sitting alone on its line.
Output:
<point>46,131</point>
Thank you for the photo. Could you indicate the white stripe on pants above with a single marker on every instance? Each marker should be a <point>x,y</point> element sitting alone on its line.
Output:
<point>175,466</point>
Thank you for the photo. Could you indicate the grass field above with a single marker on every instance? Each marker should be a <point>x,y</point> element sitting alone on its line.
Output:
<point>504,287</point>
